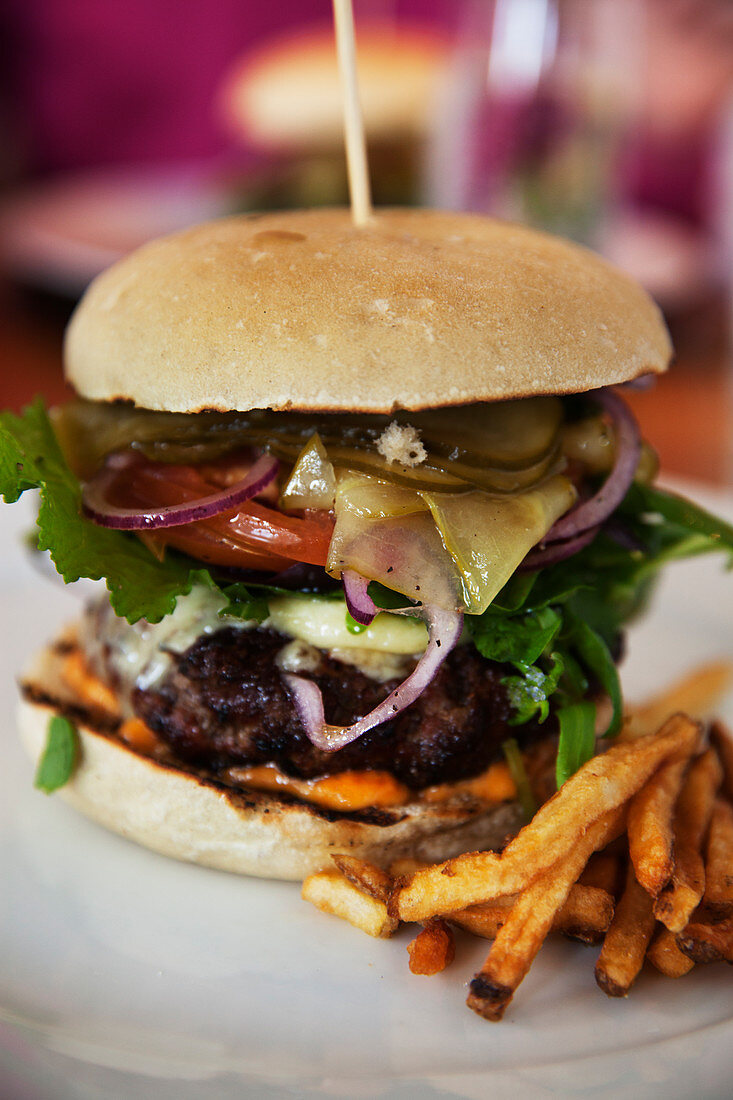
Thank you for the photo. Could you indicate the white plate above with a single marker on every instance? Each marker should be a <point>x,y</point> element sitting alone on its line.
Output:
<point>125,974</point>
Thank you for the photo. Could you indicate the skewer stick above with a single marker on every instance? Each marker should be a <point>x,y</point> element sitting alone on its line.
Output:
<point>356,158</point>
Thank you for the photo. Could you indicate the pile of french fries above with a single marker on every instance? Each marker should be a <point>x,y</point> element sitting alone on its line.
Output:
<point>635,851</point>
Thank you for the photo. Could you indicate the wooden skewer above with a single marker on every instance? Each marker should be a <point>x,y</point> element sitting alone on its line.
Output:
<point>356,157</point>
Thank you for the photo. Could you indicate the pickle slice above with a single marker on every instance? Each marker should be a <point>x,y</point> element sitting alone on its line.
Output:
<point>503,448</point>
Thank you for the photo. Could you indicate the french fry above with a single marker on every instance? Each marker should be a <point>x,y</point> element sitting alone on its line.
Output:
<point>624,948</point>
<point>722,742</point>
<point>650,825</point>
<point>600,786</point>
<point>666,956</point>
<point>585,916</point>
<point>604,871</point>
<point>432,949</point>
<point>707,942</point>
<point>367,877</point>
<point>698,693</point>
<point>680,897</point>
<point>406,866</point>
<point>330,892</point>
<point>529,921</point>
<point>718,896</point>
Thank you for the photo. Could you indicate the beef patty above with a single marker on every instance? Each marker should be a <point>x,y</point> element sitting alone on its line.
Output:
<point>224,703</point>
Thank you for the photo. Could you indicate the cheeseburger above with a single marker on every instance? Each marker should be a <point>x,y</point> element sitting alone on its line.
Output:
<point>371,520</point>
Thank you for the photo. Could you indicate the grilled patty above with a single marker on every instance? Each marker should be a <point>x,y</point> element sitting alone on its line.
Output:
<point>224,703</point>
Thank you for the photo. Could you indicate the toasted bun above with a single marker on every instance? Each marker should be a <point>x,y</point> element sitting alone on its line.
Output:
<point>191,817</point>
<point>286,94</point>
<point>303,310</point>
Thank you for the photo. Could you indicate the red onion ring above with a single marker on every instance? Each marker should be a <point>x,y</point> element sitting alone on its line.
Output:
<point>592,512</point>
<point>543,555</point>
<point>362,607</point>
<point>444,630</point>
<point>97,508</point>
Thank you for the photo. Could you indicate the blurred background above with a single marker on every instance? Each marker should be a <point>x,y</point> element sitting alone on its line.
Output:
<point>609,121</point>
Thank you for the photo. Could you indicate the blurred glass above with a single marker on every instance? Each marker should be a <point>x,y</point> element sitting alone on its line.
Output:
<point>532,111</point>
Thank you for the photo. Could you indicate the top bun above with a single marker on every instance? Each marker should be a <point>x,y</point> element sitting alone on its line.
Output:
<point>286,95</point>
<point>302,310</point>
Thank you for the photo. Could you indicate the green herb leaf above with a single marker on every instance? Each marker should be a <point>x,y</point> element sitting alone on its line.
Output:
<point>577,739</point>
<point>57,761</point>
<point>519,639</point>
<point>595,654</point>
<point>682,513</point>
<point>141,586</point>
<point>529,693</point>
<point>243,604</point>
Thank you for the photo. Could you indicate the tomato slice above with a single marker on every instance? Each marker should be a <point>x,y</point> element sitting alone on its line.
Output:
<point>253,535</point>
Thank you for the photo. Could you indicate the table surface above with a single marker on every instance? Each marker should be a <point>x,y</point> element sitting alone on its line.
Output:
<point>687,415</point>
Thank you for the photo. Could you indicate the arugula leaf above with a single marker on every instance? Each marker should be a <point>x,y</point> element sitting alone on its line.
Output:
<point>141,586</point>
<point>515,593</point>
<point>242,604</point>
<point>520,640</point>
<point>529,693</point>
<point>56,764</point>
<point>682,513</point>
<point>577,739</point>
<point>593,651</point>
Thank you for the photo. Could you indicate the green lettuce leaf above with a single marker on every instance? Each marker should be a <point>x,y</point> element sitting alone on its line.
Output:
<point>140,586</point>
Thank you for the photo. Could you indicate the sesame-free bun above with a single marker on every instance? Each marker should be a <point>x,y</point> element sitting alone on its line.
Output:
<point>191,816</point>
<point>304,310</point>
<point>285,95</point>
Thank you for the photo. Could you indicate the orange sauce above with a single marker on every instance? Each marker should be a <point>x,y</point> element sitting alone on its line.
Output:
<point>351,790</point>
<point>138,736</point>
<point>88,687</point>
<point>493,785</point>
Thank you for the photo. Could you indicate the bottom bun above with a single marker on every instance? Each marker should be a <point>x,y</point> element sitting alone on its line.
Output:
<point>191,815</point>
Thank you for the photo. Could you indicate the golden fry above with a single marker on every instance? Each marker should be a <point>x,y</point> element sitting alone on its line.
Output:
<point>677,901</point>
<point>624,948</point>
<point>600,786</point>
<point>718,896</point>
<point>666,956</point>
<point>402,868</point>
<point>604,871</point>
<point>722,741</point>
<point>698,693</point>
<point>585,916</point>
<point>650,825</point>
<point>365,876</point>
<point>708,942</point>
<point>432,949</point>
<point>330,892</point>
<point>529,921</point>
